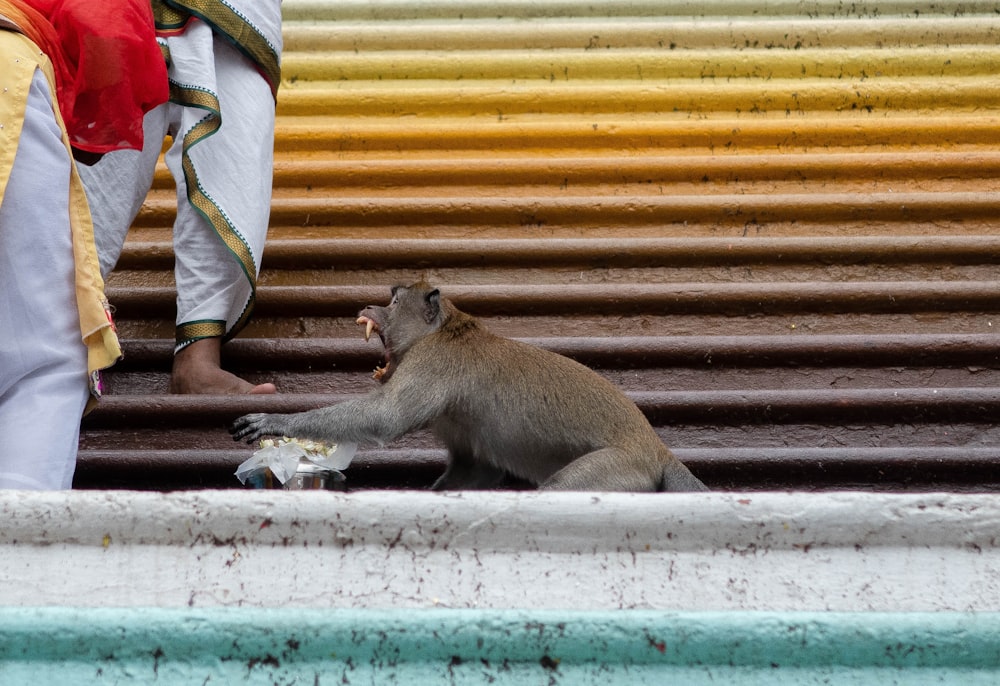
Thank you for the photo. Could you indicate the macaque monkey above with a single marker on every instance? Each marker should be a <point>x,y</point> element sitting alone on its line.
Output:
<point>501,407</point>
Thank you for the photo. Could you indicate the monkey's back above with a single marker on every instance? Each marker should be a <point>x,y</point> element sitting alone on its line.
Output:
<point>544,408</point>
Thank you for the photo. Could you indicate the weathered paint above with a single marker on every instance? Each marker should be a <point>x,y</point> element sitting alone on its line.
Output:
<point>109,646</point>
<point>500,588</point>
<point>503,550</point>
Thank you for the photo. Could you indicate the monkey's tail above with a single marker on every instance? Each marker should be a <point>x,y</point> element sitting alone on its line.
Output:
<point>678,478</point>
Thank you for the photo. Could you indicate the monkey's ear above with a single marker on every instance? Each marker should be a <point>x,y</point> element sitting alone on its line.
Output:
<point>432,306</point>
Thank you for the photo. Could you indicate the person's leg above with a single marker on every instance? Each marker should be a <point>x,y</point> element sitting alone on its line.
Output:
<point>43,361</point>
<point>223,177</point>
<point>117,186</point>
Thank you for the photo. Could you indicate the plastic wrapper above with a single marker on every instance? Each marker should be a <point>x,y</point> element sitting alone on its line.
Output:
<point>282,458</point>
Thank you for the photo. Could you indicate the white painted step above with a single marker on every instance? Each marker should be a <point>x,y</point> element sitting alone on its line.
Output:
<point>841,551</point>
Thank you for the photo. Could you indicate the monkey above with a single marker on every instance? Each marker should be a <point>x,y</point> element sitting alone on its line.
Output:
<point>501,407</point>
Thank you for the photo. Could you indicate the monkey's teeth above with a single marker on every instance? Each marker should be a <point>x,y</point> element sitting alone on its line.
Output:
<point>369,326</point>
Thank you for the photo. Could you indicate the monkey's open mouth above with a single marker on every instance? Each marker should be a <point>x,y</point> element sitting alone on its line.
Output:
<point>371,326</point>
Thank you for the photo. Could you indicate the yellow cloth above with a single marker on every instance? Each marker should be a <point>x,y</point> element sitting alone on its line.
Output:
<point>19,58</point>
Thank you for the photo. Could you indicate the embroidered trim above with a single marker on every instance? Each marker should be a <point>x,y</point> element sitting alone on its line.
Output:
<point>172,17</point>
<point>189,332</point>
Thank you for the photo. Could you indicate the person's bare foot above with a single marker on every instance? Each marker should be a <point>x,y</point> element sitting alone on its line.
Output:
<point>197,369</point>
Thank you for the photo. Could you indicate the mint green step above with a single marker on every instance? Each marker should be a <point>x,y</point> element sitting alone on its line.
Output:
<point>412,647</point>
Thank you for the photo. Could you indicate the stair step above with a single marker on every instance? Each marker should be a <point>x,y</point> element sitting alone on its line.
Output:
<point>308,252</point>
<point>965,469</point>
<point>731,299</point>
<point>932,350</point>
<point>662,407</point>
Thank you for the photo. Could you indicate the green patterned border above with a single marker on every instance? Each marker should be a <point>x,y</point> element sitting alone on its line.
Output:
<point>189,332</point>
<point>172,15</point>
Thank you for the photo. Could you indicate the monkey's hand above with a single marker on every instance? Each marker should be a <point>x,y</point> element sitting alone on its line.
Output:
<point>251,427</point>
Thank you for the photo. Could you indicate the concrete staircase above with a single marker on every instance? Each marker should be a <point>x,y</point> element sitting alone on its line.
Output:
<point>776,228</point>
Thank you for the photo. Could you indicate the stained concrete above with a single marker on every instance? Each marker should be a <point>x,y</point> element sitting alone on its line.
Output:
<point>768,551</point>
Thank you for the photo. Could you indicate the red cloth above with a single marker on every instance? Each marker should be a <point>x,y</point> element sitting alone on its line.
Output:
<point>109,69</point>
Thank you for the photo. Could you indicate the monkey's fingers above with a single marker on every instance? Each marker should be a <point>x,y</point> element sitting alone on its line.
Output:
<point>248,427</point>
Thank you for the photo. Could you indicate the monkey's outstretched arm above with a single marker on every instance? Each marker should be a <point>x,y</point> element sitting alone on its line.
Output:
<point>376,418</point>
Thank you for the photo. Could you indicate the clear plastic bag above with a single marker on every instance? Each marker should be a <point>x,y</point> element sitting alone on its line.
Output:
<point>282,457</point>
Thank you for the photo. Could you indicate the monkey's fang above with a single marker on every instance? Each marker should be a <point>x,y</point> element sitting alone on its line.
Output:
<point>369,326</point>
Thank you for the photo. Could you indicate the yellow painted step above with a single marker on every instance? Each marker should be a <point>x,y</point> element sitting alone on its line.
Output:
<point>636,64</point>
<point>789,32</point>
<point>324,133</point>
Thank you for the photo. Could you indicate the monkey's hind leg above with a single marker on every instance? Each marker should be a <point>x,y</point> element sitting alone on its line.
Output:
<point>677,477</point>
<point>608,469</point>
<point>465,474</point>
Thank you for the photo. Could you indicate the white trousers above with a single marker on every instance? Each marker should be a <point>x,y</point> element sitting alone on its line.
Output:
<point>233,170</point>
<point>43,361</point>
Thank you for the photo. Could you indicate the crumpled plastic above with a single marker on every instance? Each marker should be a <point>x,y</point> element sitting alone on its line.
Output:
<point>282,457</point>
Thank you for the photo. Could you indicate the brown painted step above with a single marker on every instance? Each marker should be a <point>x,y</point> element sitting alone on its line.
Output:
<point>934,350</point>
<point>301,249</point>
<point>970,469</point>
<point>731,408</point>
<point>624,299</point>
<point>635,363</point>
